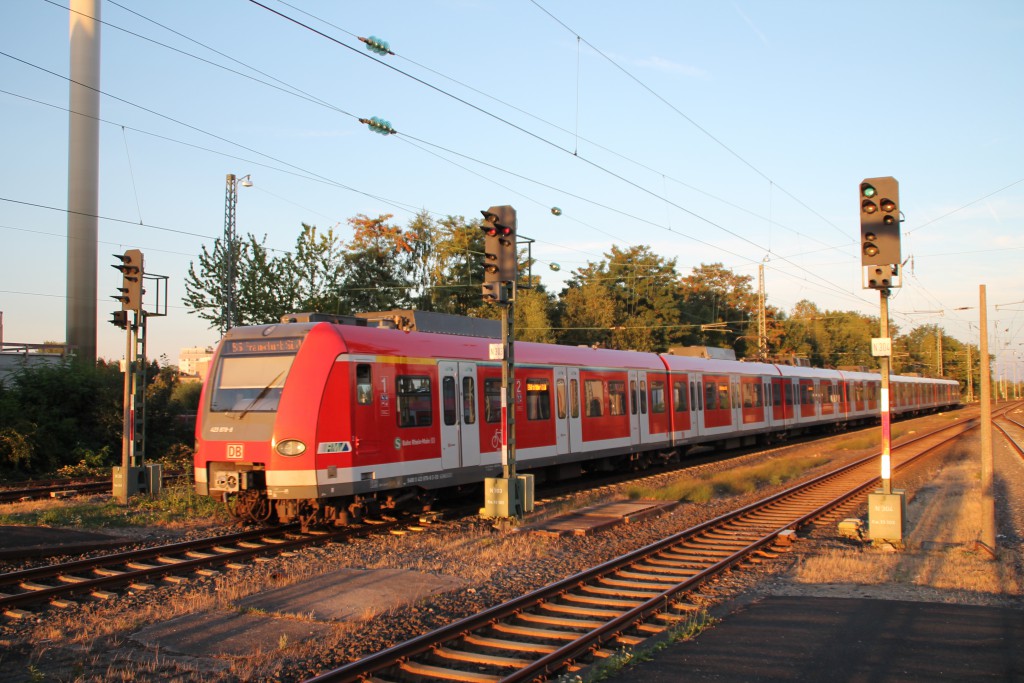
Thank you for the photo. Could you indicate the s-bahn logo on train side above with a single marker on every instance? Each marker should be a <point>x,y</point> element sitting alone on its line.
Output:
<point>236,451</point>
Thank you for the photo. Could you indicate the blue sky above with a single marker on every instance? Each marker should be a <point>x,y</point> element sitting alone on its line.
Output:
<point>732,132</point>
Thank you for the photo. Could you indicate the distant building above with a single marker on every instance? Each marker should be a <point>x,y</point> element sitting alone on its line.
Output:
<point>195,361</point>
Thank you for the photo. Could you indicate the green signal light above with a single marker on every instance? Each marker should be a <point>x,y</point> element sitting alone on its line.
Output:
<point>868,190</point>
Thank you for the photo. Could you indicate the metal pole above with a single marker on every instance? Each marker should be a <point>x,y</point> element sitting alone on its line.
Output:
<point>230,202</point>
<point>884,364</point>
<point>508,403</point>
<point>970,375</point>
<point>83,179</point>
<point>139,392</point>
<point>762,323</point>
<point>127,442</point>
<point>988,509</point>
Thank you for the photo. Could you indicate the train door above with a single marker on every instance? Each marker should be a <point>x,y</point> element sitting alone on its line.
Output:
<point>460,430</point>
<point>561,411</point>
<point>697,404</point>
<point>634,408</point>
<point>373,406</point>
<point>575,422</point>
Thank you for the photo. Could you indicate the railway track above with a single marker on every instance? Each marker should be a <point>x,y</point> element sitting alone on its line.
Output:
<point>60,585</point>
<point>65,489</point>
<point>98,578</point>
<point>1009,438</point>
<point>54,490</point>
<point>554,630</point>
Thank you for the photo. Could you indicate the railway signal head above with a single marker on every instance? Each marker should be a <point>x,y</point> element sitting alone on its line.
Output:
<point>131,290</point>
<point>493,292</point>
<point>120,319</point>
<point>501,260</point>
<point>880,230</point>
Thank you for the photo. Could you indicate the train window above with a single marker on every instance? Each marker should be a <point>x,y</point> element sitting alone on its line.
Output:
<point>448,400</point>
<point>468,401</point>
<point>632,396</point>
<point>538,399</point>
<point>593,397</point>
<point>250,383</point>
<point>643,397</point>
<point>414,405</point>
<point>752,395</point>
<point>658,396</point>
<point>364,385</point>
<point>696,397</point>
<point>560,398</point>
<point>788,386</point>
<point>680,397</point>
<point>574,398</point>
<point>710,396</point>
<point>617,398</point>
<point>492,400</point>
<point>806,394</point>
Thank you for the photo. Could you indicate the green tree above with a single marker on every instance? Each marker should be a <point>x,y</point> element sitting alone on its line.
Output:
<point>713,294</point>
<point>587,314</point>
<point>265,289</point>
<point>262,293</point>
<point>456,267</point>
<point>626,301</point>
<point>312,273</point>
<point>376,278</point>
<point>533,316</point>
<point>52,415</point>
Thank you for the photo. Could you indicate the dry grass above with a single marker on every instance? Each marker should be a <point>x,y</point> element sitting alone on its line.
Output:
<point>177,506</point>
<point>731,482</point>
<point>958,568</point>
<point>944,520</point>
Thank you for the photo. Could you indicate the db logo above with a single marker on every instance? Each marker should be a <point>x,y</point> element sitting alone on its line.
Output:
<point>235,451</point>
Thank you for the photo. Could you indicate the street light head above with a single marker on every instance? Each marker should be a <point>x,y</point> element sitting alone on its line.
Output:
<point>246,181</point>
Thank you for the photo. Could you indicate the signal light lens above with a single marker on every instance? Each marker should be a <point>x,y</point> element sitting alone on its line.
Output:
<point>868,206</point>
<point>868,191</point>
<point>888,205</point>
<point>870,249</point>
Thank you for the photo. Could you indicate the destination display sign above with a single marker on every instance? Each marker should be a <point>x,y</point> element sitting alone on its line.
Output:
<point>249,347</point>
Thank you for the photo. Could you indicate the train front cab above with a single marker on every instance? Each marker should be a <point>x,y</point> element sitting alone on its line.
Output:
<point>252,432</point>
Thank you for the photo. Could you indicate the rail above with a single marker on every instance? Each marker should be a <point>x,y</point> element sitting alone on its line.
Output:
<point>546,632</point>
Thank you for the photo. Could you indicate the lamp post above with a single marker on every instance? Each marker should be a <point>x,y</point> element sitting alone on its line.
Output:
<point>230,202</point>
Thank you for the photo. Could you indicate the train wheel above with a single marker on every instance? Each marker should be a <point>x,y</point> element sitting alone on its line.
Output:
<point>250,506</point>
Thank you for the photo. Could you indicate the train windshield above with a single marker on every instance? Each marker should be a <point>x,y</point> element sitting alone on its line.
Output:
<point>251,378</point>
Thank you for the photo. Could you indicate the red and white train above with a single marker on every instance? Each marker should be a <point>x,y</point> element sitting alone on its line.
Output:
<point>325,423</point>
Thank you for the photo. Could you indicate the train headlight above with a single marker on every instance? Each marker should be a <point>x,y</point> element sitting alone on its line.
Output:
<point>291,447</point>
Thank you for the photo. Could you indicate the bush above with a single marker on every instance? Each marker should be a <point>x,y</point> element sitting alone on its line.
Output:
<point>68,418</point>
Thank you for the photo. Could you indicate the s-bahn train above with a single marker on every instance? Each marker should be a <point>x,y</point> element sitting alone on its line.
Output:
<point>326,423</point>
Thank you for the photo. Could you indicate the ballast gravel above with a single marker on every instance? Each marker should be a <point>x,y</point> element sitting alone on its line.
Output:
<point>93,641</point>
